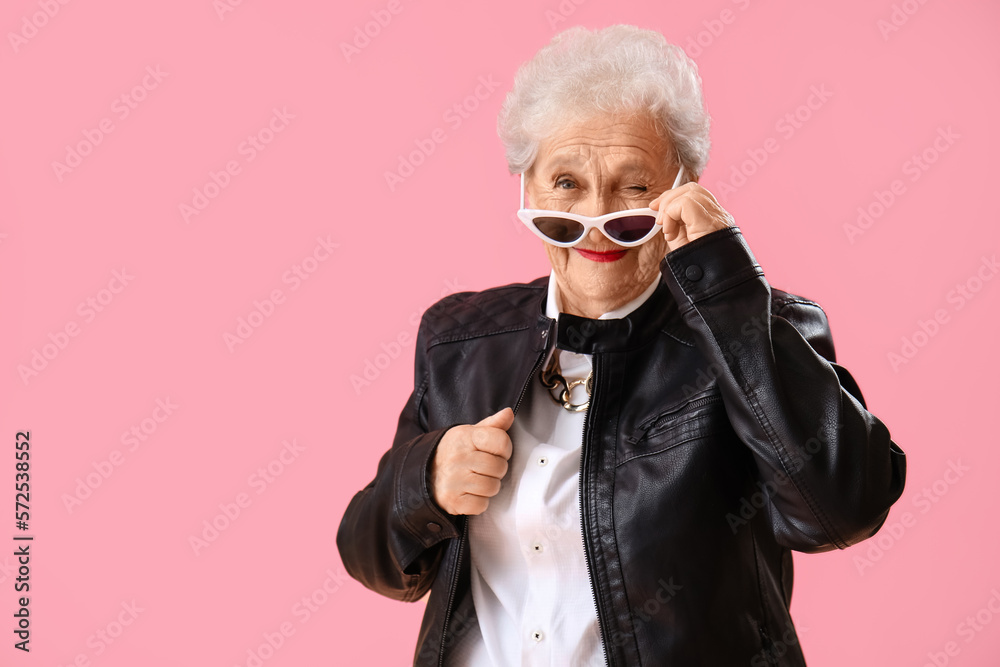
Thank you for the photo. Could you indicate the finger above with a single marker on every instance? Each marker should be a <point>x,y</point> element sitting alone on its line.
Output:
<point>690,213</point>
<point>469,504</point>
<point>493,441</point>
<point>670,223</point>
<point>501,419</point>
<point>489,465</point>
<point>480,485</point>
<point>666,197</point>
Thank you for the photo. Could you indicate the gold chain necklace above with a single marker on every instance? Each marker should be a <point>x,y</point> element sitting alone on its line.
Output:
<point>551,379</point>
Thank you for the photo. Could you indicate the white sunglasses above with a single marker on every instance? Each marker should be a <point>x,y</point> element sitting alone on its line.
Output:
<point>627,228</point>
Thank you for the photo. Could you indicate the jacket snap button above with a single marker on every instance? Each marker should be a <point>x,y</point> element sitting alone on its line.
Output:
<point>693,272</point>
<point>434,527</point>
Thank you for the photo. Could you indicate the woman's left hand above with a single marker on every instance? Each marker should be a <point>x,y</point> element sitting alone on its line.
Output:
<point>688,212</point>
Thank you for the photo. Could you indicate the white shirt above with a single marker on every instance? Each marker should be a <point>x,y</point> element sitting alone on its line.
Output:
<point>530,584</point>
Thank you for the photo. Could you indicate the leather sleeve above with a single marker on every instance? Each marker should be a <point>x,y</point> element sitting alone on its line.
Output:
<point>392,535</point>
<point>828,467</point>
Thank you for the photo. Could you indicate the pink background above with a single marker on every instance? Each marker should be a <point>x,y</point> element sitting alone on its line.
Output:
<point>321,175</point>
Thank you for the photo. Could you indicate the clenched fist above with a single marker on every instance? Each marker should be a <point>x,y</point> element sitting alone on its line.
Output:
<point>469,462</point>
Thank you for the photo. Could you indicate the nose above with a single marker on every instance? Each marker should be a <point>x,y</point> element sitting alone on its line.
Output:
<point>597,204</point>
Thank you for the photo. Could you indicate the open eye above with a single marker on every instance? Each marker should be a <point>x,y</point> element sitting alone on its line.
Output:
<point>565,184</point>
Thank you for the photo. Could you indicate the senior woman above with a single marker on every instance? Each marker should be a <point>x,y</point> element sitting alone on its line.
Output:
<point>612,464</point>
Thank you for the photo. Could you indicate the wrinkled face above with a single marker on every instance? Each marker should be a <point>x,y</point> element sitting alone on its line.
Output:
<point>600,165</point>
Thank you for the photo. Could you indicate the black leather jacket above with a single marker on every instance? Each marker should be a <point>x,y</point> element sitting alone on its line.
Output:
<point>721,434</point>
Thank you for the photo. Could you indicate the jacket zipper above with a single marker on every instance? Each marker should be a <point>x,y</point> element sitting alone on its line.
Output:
<point>766,643</point>
<point>602,626</point>
<point>451,593</point>
<point>461,537</point>
<point>650,422</point>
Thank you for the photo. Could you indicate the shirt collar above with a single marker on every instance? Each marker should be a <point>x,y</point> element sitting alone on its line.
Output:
<point>553,305</point>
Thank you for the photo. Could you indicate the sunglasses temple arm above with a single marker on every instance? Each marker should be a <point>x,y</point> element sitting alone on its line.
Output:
<point>680,176</point>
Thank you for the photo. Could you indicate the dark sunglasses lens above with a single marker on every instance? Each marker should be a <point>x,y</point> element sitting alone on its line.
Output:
<point>630,228</point>
<point>561,230</point>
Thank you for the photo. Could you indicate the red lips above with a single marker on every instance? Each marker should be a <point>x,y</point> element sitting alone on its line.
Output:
<point>605,256</point>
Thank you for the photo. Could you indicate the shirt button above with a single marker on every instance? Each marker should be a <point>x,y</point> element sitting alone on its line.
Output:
<point>537,635</point>
<point>542,460</point>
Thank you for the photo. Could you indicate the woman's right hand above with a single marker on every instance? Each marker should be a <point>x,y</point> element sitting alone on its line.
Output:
<point>469,462</point>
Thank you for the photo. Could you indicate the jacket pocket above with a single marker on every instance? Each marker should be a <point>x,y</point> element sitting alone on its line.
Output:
<point>695,419</point>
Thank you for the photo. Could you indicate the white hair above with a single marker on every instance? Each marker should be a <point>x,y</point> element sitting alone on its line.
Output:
<point>620,69</point>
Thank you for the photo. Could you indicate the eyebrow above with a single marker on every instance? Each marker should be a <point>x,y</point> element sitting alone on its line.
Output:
<point>627,169</point>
